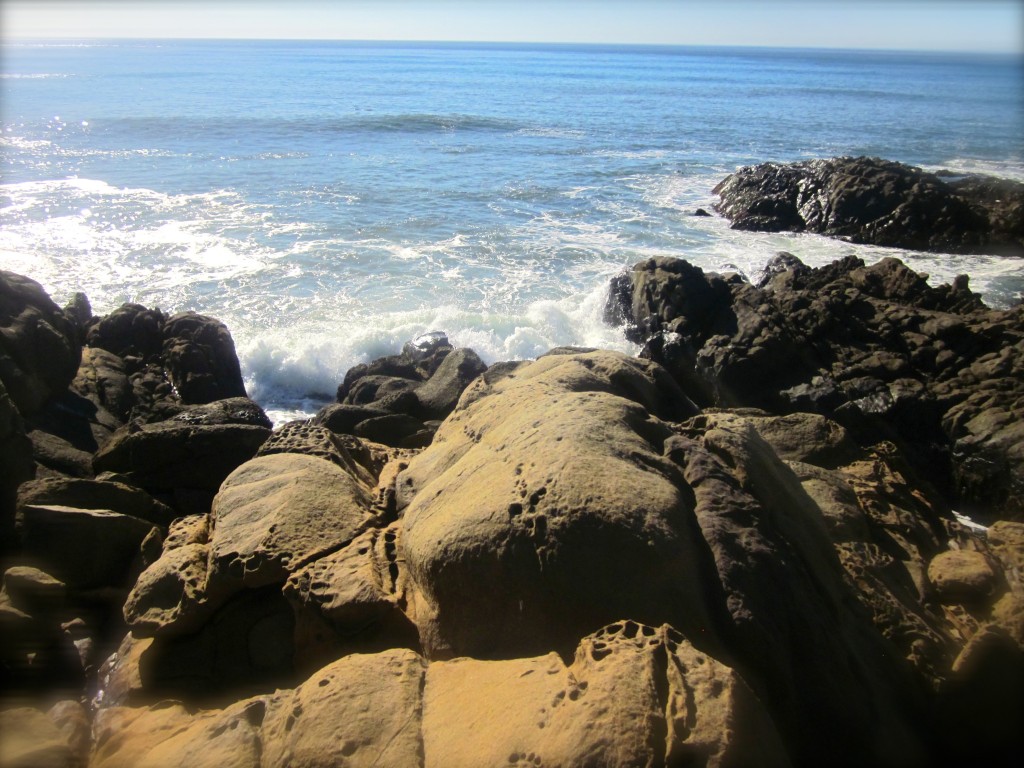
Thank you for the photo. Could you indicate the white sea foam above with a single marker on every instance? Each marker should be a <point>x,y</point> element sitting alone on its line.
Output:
<point>1009,169</point>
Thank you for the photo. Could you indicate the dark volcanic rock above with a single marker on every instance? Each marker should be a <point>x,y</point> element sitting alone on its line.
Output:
<point>200,359</point>
<point>132,330</point>
<point>39,346</point>
<point>16,460</point>
<point>438,396</point>
<point>169,456</point>
<point>95,494</point>
<point>424,383</point>
<point>869,200</point>
<point>874,347</point>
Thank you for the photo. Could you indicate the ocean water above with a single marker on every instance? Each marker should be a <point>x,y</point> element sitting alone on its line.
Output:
<point>331,200</point>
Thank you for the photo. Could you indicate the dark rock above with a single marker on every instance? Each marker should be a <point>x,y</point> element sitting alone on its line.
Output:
<point>342,418</point>
<point>169,456</point>
<point>701,212</point>
<point>393,429</point>
<point>39,347</point>
<point>780,263</point>
<point>199,356</point>
<point>84,548</point>
<point>873,347</point>
<point>59,455</point>
<point>417,362</point>
<point>96,494</point>
<point>17,463</point>
<point>131,331</point>
<point>425,345</point>
<point>79,311</point>
<point>103,380</point>
<point>869,200</point>
<point>368,389</point>
<point>232,410</point>
<point>441,392</point>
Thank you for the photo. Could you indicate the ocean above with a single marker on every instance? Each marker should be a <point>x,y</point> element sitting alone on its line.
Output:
<point>332,200</point>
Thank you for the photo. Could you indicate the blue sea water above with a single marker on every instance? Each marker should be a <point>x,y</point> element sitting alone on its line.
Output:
<point>330,200</point>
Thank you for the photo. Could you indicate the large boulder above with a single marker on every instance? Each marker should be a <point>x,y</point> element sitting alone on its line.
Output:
<point>869,200</point>
<point>200,359</point>
<point>96,494</point>
<point>438,396</point>
<point>544,509</point>
<point>186,358</point>
<point>167,456</point>
<point>85,548</point>
<point>277,512</point>
<point>130,331</point>
<point>39,347</point>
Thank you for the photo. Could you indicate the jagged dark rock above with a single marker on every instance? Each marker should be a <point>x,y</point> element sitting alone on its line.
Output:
<point>39,346</point>
<point>869,200</point>
<point>874,347</point>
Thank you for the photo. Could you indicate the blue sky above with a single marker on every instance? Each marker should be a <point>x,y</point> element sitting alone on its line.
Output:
<point>978,25</point>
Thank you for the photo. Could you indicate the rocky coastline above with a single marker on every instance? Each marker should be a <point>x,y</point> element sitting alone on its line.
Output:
<point>745,546</point>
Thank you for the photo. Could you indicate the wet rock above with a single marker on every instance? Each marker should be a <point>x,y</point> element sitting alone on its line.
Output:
<point>395,429</point>
<point>131,331</point>
<point>424,381</point>
<point>869,200</point>
<point>199,356</point>
<point>231,410</point>
<point>438,396</point>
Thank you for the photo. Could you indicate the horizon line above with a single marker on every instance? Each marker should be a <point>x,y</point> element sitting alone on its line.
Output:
<point>4,40</point>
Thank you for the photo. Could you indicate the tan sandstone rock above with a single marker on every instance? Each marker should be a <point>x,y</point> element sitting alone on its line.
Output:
<point>964,577</point>
<point>277,512</point>
<point>544,509</point>
<point>634,695</point>
<point>361,710</point>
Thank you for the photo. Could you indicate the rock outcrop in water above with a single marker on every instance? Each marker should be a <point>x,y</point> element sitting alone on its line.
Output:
<point>880,202</point>
<point>736,551</point>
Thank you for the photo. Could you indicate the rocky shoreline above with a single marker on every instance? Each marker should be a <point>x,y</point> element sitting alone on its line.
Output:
<point>739,548</point>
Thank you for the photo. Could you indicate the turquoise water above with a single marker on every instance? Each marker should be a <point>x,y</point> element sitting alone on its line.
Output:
<point>331,200</point>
